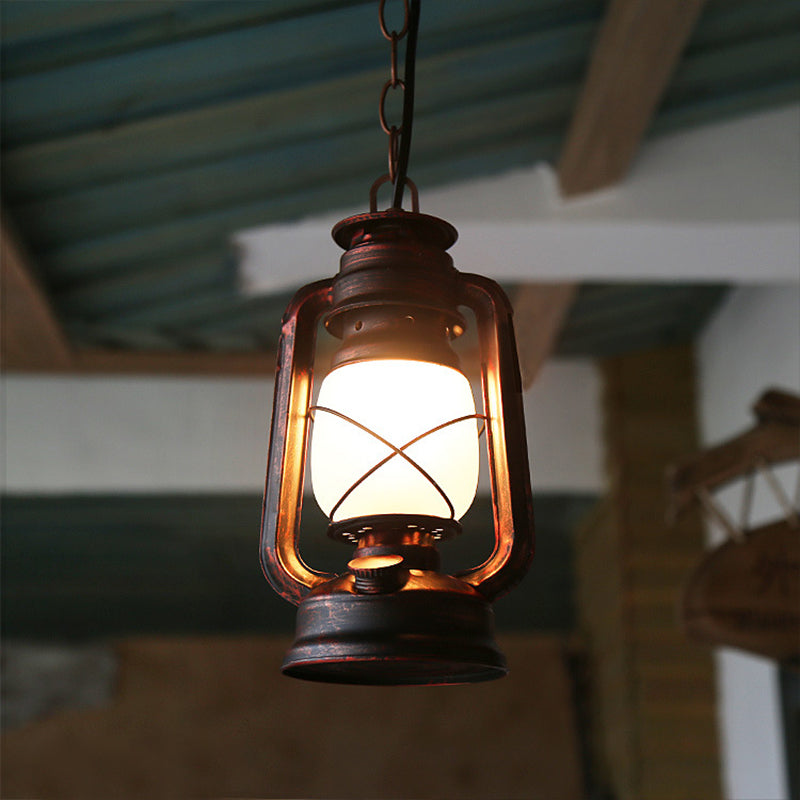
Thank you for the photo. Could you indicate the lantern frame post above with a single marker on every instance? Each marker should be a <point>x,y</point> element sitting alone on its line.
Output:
<point>281,561</point>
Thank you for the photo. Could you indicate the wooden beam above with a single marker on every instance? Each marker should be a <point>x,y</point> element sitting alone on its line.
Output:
<point>540,310</point>
<point>32,337</point>
<point>33,341</point>
<point>637,49</point>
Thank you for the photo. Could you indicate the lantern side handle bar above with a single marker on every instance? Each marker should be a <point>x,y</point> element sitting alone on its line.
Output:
<point>281,561</point>
<point>506,441</point>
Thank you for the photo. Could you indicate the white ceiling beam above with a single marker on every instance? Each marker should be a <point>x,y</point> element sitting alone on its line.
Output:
<point>719,203</point>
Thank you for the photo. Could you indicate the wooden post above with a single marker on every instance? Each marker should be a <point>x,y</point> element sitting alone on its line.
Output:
<point>655,708</point>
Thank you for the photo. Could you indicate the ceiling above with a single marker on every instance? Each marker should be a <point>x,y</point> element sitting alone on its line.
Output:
<point>137,137</point>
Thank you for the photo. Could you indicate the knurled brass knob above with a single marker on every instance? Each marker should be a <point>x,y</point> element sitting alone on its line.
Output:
<point>378,574</point>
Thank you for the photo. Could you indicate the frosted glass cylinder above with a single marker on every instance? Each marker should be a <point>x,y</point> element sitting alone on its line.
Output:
<point>399,400</point>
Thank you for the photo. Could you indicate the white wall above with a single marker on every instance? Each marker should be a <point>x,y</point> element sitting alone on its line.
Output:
<point>104,434</point>
<point>753,343</point>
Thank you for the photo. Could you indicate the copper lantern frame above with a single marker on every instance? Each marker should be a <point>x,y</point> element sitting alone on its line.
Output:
<point>393,617</point>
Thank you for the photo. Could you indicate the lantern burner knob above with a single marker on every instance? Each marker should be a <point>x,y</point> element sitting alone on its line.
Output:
<point>378,574</point>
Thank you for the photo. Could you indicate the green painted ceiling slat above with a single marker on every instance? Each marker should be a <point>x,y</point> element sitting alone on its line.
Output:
<point>26,21</point>
<point>76,567</point>
<point>191,73</point>
<point>632,317</point>
<point>517,66</point>
<point>631,301</point>
<point>175,136</point>
<point>146,339</point>
<point>241,179</point>
<point>174,313</point>
<point>737,66</point>
<point>253,59</point>
<point>66,214</point>
<point>115,251</point>
<point>203,268</point>
<point>43,21</point>
<point>44,35</point>
<point>631,336</point>
<point>94,334</point>
<point>197,314</point>
<point>726,21</point>
<point>720,107</point>
<point>188,138</point>
<point>310,108</point>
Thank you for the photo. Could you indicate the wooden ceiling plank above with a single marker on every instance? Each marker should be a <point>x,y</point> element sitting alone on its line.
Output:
<point>235,179</point>
<point>726,106</point>
<point>174,137</point>
<point>42,20</point>
<point>150,283</point>
<point>268,57</point>
<point>767,62</point>
<point>31,335</point>
<point>540,310</point>
<point>121,250</point>
<point>637,49</point>
<point>50,35</point>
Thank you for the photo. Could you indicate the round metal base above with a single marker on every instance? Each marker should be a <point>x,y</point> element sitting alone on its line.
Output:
<point>420,637</point>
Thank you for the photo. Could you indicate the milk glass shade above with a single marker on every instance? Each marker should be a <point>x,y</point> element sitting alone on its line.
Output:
<point>394,436</point>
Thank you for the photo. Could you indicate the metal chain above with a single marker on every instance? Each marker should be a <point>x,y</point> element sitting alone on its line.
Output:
<point>399,135</point>
<point>395,82</point>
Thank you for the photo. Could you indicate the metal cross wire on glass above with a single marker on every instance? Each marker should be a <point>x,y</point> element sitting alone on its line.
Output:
<point>394,452</point>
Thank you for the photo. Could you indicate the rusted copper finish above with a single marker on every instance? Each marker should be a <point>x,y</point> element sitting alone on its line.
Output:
<point>394,132</point>
<point>434,629</point>
<point>397,290</point>
<point>408,528</point>
<point>387,178</point>
<point>506,440</point>
<point>397,295</point>
<point>390,35</point>
<point>412,536</point>
<point>378,574</point>
<point>283,493</point>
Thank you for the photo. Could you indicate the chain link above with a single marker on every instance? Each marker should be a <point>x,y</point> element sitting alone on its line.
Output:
<point>394,132</point>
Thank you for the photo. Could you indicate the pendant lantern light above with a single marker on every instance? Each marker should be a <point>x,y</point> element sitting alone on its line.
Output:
<point>392,437</point>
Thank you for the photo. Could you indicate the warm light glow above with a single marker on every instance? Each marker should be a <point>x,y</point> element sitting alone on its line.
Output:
<point>374,562</point>
<point>398,400</point>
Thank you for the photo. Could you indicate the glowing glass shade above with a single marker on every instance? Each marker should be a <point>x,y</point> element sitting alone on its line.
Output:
<point>398,400</point>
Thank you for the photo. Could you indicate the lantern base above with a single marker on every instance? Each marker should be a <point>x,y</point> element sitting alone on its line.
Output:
<point>414,636</point>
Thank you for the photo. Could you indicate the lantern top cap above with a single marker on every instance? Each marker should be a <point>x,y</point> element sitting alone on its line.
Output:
<point>394,225</point>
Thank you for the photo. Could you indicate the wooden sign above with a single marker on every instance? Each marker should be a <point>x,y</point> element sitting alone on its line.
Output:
<point>746,594</point>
